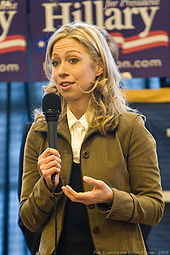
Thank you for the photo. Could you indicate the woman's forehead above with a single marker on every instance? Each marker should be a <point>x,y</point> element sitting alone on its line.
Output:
<point>68,45</point>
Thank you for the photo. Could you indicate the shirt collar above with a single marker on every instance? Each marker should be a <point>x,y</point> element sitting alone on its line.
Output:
<point>72,119</point>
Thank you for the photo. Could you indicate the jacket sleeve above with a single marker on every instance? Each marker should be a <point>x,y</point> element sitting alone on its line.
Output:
<point>144,204</point>
<point>37,202</point>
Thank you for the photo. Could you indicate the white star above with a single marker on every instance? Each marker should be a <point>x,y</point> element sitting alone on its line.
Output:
<point>41,44</point>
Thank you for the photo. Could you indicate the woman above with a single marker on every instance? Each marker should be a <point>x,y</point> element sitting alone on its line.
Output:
<point>107,177</point>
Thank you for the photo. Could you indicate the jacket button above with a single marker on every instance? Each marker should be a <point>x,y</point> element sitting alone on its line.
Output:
<point>96,230</point>
<point>91,206</point>
<point>86,154</point>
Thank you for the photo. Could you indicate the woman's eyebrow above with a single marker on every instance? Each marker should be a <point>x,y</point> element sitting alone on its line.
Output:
<point>67,52</point>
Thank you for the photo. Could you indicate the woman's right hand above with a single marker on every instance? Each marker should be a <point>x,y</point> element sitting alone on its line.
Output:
<point>50,162</point>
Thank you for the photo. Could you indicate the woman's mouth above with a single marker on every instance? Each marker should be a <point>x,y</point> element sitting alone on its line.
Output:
<point>66,85</point>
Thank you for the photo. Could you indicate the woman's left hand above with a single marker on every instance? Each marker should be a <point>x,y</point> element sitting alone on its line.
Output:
<point>101,192</point>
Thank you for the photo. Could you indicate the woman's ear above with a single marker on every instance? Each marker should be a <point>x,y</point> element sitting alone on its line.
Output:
<point>99,67</point>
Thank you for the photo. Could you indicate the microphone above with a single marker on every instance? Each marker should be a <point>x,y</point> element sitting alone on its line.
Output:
<point>51,105</point>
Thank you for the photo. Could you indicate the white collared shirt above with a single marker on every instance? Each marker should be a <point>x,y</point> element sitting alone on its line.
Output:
<point>78,130</point>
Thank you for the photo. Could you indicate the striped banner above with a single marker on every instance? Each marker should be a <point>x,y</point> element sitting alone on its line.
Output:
<point>13,42</point>
<point>141,29</point>
<point>136,43</point>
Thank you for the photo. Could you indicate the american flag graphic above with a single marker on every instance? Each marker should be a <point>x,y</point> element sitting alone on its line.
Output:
<point>136,43</point>
<point>13,43</point>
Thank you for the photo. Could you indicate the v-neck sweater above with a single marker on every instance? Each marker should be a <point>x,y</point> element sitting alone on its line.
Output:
<point>75,238</point>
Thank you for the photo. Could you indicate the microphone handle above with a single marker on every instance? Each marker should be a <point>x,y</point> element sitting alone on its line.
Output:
<point>52,139</point>
<point>52,134</point>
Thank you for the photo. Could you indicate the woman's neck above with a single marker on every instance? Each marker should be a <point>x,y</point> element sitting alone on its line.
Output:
<point>78,109</point>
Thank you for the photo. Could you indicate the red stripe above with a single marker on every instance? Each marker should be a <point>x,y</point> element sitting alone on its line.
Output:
<point>144,47</point>
<point>116,34</point>
<point>16,48</point>
<point>13,37</point>
<point>119,45</point>
<point>160,32</point>
<point>137,37</point>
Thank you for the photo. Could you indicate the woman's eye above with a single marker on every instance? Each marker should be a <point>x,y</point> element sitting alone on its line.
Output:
<point>73,60</point>
<point>55,63</point>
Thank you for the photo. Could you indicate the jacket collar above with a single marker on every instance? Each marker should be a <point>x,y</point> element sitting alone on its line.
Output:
<point>112,128</point>
<point>63,129</point>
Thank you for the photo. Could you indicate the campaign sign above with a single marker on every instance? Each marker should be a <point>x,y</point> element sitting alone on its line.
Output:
<point>13,44</point>
<point>141,29</point>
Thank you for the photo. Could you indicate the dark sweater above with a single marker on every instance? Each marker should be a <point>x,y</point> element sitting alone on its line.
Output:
<point>75,238</point>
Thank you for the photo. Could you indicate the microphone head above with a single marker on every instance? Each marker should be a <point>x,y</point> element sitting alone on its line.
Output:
<point>51,105</point>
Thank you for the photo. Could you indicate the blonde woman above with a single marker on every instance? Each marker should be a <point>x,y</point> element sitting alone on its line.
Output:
<point>107,177</point>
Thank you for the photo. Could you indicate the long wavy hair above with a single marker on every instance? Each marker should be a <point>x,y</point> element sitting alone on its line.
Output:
<point>107,100</point>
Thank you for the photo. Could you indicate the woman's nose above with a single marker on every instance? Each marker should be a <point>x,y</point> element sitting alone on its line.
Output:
<point>62,70</point>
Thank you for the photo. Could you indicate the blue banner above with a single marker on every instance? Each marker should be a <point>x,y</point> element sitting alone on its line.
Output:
<point>141,29</point>
<point>13,42</point>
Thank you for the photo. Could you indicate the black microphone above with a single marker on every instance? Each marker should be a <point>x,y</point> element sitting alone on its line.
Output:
<point>51,105</point>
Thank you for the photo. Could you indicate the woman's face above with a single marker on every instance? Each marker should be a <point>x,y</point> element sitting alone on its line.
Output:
<point>74,71</point>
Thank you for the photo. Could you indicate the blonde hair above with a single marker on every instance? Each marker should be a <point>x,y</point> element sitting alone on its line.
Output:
<point>107,100</point>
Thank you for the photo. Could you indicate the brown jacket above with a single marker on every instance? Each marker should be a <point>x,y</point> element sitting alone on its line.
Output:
<point>125,159</point>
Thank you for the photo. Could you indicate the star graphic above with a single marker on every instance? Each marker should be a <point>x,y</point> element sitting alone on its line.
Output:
<point>41,44</point>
